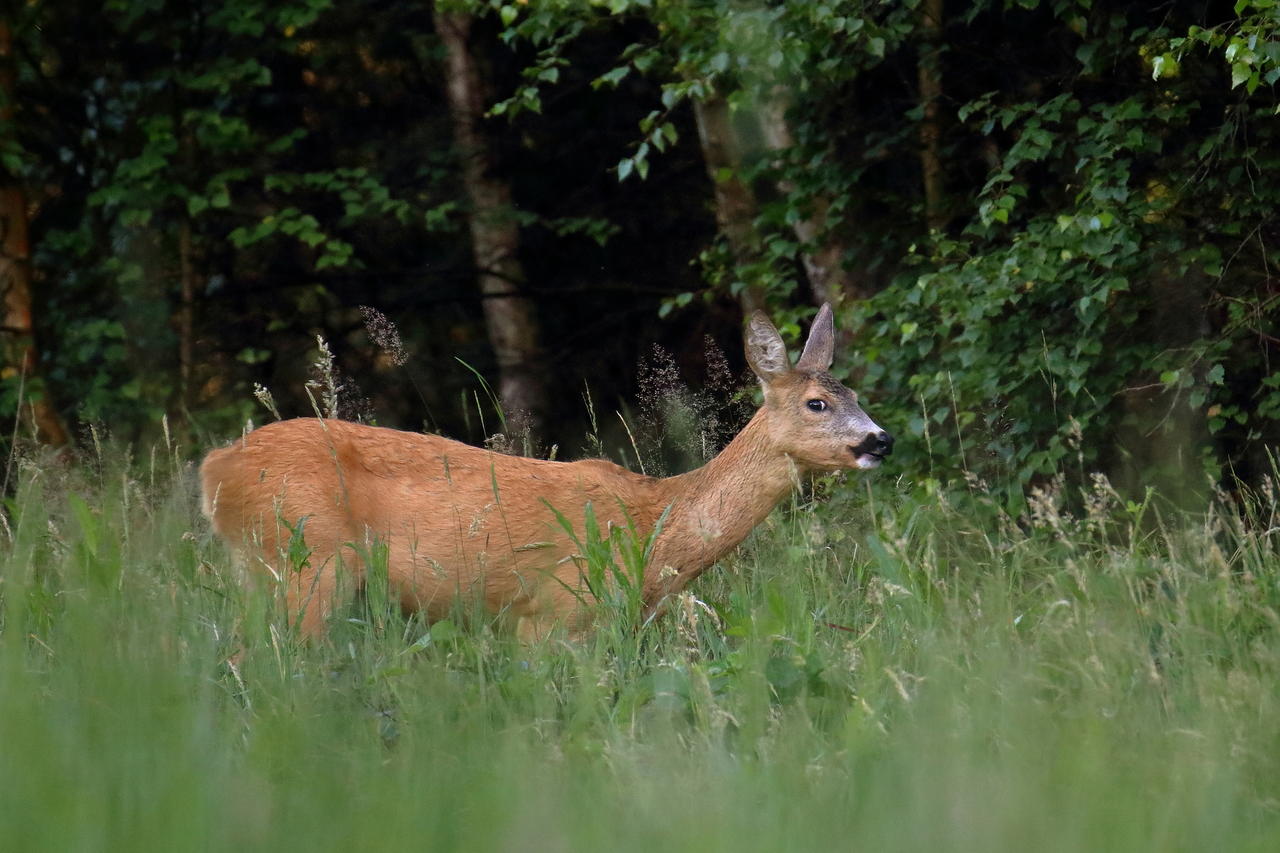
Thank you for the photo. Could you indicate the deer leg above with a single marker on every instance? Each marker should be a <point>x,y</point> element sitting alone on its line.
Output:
<point>563,610</point>
<point>533,628</point>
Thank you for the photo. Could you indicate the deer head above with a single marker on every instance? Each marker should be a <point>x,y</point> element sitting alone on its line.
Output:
<point>811,416</point>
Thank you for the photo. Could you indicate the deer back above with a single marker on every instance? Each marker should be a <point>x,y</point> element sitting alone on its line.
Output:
<point>456,519</point>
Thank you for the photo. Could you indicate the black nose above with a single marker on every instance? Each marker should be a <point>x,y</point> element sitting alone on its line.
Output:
<point>883,443</point>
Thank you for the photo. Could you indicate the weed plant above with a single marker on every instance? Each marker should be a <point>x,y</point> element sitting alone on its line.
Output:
<point>878,670</point>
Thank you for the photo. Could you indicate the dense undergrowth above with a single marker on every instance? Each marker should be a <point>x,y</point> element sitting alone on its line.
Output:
<point>871,670</point>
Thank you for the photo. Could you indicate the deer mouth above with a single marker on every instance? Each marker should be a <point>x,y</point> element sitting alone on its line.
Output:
<point>865,458</point>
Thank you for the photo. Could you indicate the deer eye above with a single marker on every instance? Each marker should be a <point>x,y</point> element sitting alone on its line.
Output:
<point>817,405</point>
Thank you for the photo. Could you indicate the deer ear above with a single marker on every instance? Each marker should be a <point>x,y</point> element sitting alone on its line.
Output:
<point>766,353</point>
<point>820,349</point>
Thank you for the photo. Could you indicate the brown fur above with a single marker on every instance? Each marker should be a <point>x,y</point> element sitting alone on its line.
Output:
<point>463,521</point>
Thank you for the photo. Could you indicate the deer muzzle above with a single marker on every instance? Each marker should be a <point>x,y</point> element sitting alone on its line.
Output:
<point>872,450</point>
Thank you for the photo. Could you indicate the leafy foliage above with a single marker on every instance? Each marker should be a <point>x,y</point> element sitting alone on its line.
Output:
<point>1102,294</point>
<point>1114,283</point>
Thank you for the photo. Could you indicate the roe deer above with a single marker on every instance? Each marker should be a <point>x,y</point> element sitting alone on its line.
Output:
<point>461,520</point>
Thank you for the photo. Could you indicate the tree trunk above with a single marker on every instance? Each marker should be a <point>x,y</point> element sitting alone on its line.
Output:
<point>186,313</point>
<point>20,353</point>
<point>929,75</point>
<point>188,284</point>
<point>822,252</point>
<point>495,237</point>
<point>735,203</point>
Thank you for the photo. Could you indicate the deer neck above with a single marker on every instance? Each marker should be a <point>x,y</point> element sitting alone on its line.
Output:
<point>716,506</point>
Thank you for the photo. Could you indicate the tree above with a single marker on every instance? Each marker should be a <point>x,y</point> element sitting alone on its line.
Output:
<point>823,252</point>
<point>735,205</point>
<point>510,315</point>
<point>21,354</point>
<point>930,86</point>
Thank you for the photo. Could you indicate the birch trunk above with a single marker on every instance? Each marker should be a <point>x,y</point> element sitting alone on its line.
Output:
<point>823,253</point>
<point>509,313</point>
<point>929,76</point>
<point>735,204</point>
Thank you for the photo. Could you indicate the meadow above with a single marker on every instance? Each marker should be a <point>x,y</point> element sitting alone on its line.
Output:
<point>879,667</point>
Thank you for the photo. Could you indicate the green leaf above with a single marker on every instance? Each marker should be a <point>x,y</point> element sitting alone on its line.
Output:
<point>444,631</point>
<point>611,78</point>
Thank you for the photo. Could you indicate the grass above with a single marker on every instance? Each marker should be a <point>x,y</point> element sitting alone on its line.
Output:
<point>874,672</point>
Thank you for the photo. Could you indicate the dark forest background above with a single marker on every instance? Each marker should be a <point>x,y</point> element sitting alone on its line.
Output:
<point>1049,229</point>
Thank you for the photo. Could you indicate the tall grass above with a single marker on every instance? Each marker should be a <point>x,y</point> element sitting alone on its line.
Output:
<point>876,672</point>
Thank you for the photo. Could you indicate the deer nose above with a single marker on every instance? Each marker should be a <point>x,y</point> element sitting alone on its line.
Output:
<point>883,443</point>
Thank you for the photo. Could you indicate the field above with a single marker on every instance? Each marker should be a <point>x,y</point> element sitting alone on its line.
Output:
<point>871,671</point>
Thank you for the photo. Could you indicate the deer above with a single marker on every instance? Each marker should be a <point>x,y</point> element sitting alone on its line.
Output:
<point>458,521</point>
